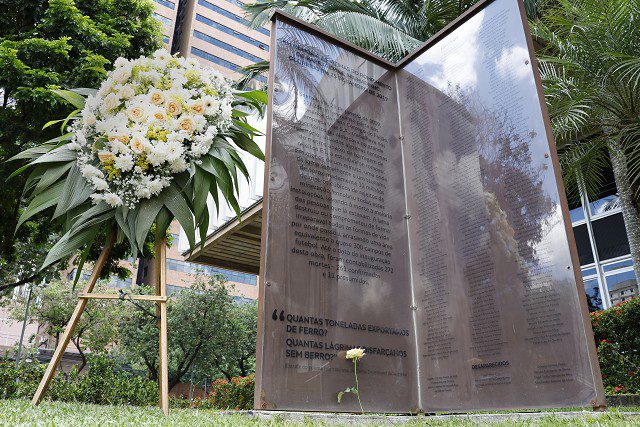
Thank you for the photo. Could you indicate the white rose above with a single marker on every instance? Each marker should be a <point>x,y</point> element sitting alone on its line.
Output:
<point>122,74</point>
<point>127,92</point>
<point>186,124</point>
<point>120,62</point>
<point>137,144</point>
<point>111,102</point>
<point>156,97</point>
<point>137,113</point>
<point>355,353</point>
<point>106,156</point>
<point>88,118</point>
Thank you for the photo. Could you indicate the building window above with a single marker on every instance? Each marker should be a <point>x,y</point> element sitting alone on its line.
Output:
<point>225,46</point>
<point>611,237</point>
<point>165,39</point>
<point>613,280</point>
<point>592,290</point>
<point>166,3</point>
<point>622,283</point>
<point>230,15</point>
<point>163,19</point>
<point>222,62</point>
<point>583,243</point>
<point>232,32</point>
<point>192,268</point>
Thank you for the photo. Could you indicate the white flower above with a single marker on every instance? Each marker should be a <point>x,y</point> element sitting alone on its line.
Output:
<point>90,171</point>
<point>121,74</point>
<point>156,97</point>
<point>226,110</point>
<point>211,105</point>
<point>74,146</point>
<point>96,198</point>
<point>355,353</point>
<point>186,124</point>
<point>106,156</point>
<point>137,113</point>
<point>88,118</point>
<point>113,199</point>
<point>155,186</point>
<point>127,92</point>
<point>174,150</point>
<point>124,162</point>
<point>143,192</point>
<point>111,102</point>
<point>197,107</point>
<point>178,165</point>
<point>174,108</point>
<point>137,144</point>
<point>99,184</point>
<point>120,62</point>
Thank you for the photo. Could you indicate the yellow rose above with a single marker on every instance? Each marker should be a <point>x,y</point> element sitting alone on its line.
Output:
<point>187,124</point>
<point>174,108</point>
<point>159,115</point>
<point>157,98</point>
<point>106,156</point>
<point>355,353</point>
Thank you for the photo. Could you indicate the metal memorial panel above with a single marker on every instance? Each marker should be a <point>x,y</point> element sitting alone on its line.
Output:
<point>336,269</point>
<point>414,210</point>
<point>499,318</point>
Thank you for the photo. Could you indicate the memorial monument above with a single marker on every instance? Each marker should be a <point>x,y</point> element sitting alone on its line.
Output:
<point>417,210</point>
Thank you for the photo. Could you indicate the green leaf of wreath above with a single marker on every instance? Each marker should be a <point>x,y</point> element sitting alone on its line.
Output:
<point>76,191</point>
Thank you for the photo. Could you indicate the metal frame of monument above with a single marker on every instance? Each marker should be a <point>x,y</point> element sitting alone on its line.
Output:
<point>261,401</point>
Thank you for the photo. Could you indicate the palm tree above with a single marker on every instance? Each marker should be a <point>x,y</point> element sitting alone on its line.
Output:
<point>389,28</point>
<point>589,52</point>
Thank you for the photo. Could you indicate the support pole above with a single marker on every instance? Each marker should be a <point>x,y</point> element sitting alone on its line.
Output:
<point>73,321</point>
<point>161,312</point>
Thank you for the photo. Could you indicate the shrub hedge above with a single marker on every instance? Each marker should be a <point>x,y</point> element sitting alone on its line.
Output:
<point>617,334</point>
<point>236,394</point>
<point>102,384</point>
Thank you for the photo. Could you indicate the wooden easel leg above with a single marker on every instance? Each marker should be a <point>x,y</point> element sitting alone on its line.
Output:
<point>161,311</point>
<point>73,322</point>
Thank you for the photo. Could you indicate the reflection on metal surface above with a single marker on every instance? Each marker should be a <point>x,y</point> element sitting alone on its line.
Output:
<point>416,212</point>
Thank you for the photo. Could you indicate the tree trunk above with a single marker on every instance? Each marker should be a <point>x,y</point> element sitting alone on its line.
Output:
<point>627,205</point>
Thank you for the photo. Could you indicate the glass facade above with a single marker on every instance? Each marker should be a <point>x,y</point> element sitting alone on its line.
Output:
<point>603,250</point>
<point>230,15</point>
<point>191,268</point>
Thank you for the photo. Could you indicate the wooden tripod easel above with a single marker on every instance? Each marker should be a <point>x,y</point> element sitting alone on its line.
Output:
<point>160,299</point>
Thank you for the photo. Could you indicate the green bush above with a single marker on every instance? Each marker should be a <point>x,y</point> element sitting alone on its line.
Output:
<point>102,384</point>
<point>236,394</point>
<point>617,334</point>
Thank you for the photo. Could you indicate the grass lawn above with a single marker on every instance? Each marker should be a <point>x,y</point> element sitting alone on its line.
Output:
<point>21,413</point>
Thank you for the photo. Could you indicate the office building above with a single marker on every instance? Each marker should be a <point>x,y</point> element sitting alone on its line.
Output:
<point>603,248</point>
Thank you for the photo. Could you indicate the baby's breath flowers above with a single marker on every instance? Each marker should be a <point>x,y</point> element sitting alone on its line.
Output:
<point>151,118</point>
